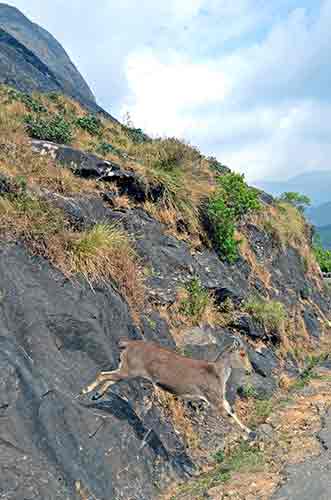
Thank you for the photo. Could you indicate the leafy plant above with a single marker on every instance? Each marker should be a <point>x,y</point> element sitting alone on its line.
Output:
<point>323,257</point>
<point>232,199</point>
<point>196,301</point>
<point>32,103</point>
<point>50,128</point>
<point>299,201</point>
<point>248,391</point>
<point>137,135</point>
<point>91,123</point>
<point>271,314</point>
<point>104,148</point>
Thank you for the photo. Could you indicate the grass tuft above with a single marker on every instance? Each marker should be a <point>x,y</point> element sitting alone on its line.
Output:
<point>271,314</point>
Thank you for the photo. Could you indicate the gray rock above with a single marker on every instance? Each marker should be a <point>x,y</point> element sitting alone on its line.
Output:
<point>55,337</point>
<point>263,362</point>
<point>247,325</point>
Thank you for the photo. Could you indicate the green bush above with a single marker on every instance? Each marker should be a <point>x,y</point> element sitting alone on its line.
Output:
<point>299,201</point>
<point>50,128</point>
<point>271,314</point>
<point>137,135</point>
<point>32,103</point>
<point>232,199</point>
<point>323,257</point>
<point>104,148</point>
<point>91,123</point>
<point>194,305</point>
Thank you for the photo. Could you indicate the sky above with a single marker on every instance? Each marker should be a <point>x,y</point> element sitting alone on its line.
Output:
<point>246,81</point>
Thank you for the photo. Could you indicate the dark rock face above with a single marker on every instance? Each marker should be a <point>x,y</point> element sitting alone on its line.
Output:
<point>263,361</point>
<point>21,68</point>
<point>312,322</point>
<point>249,326</point>
<point>90,166</point>
<point>54,338</point>
<point>56,335</point>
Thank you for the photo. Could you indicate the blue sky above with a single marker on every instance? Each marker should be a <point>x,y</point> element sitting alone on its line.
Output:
<point>247,81</point>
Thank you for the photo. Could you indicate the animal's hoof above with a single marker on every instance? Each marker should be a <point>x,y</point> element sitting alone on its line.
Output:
<point>96,396</point>
<point>252,436</point>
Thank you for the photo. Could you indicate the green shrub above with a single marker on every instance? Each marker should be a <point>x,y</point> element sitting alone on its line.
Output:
<point>323,257</point>
<point>299,201</point>
<point>104,148</point>
<point>271,314</point>
<point>248,391</point>
<point>91,123</point>
<point>218,166</point>
<point>137,135</point>
<point>194,305</point>
<point>32,103</point>
<point>50,128</point>
<point>232,199</point>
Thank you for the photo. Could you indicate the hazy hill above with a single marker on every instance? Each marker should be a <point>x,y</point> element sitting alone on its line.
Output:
<point>320,215</point>
<point>316,185</point>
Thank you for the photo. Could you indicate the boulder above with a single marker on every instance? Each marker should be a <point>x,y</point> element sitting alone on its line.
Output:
<point>90,166</point>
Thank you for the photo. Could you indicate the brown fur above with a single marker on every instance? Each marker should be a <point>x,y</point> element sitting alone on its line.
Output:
<point>179,375</point>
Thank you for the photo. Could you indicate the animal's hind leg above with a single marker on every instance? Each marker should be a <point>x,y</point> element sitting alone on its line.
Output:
<point>105,377</point>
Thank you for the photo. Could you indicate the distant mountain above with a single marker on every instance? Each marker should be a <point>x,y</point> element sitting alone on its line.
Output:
<point>316,185</point>
<point>321,215</point>
<point>325,235</point>
<point>31,59</point>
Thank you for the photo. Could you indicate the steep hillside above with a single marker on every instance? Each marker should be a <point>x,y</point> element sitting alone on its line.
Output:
<point>106,233</point>
<point>32,60</point>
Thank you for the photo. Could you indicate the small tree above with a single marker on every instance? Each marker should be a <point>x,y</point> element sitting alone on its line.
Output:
<point>300,201</point>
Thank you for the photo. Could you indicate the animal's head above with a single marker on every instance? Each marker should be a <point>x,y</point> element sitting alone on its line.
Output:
<point>238,356</point>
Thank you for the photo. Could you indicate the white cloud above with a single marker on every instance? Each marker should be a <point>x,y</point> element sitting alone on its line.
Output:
<point>247,80</point>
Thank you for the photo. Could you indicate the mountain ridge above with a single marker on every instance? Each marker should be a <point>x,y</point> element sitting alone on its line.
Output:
<point>27,48</point>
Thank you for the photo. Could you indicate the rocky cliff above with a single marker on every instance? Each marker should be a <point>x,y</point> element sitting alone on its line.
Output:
<point>111,235</point>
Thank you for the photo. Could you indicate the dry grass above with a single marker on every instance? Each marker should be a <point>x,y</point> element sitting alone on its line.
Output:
<point>18,160</point>
<point>175,410</point>
<point>186,176</point>
<point>194,306</point>
<point>105,253</point>
<point>101,254</point>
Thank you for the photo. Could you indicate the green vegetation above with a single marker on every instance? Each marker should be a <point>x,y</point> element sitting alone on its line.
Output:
<point>260,412</point>
<point>248,391</point>
<point>323,257</point>
<point>91,123</point>
<point>299,201</point>
<point>137,135</point>
<point>309,372</point>
<point>196,301</point>
<point>32,103</point>
<point>244,457</point>
<point>53,128</point>
<point>231,200</point>
<point>271,314</point>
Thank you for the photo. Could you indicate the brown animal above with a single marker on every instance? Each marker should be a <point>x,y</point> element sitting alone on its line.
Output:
<point>182,376</point>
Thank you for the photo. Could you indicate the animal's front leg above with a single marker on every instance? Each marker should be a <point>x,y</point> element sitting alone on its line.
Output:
<point>231,413</point>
